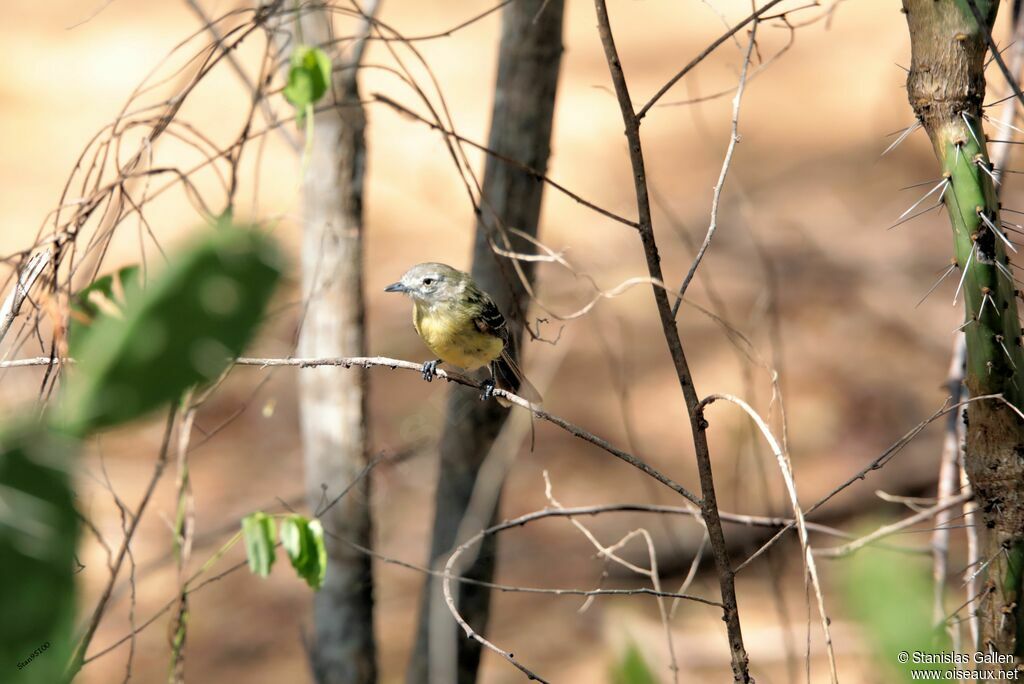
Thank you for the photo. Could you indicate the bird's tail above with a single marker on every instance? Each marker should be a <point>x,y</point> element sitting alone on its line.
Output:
<point>508,376</point>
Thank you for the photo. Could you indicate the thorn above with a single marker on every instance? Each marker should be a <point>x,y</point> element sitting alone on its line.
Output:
<point>945,273</point>
<point>927,182</point>
<point>972,319</point>
<point>903,136</point>
<point>1005,271</point>
<point>1001,340</point>
<point>971,129</point>
<point>942,184</point>
<point>920,213</point>
<point>967,266</point>
<point>1003,123</point>
<point>980,162</point>
<point>985,298</point>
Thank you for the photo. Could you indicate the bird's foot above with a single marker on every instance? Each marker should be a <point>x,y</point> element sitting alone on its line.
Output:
<point>429,368</point>
<point>488,389</point>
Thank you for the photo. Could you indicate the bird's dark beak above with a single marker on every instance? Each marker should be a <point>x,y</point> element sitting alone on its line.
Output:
<point>396,287</point>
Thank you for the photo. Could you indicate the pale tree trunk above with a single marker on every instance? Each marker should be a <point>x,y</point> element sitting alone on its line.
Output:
<point>333,400</point>
<point>521,120</point>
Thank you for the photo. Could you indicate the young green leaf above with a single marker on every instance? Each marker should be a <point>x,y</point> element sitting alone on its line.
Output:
<point>308,78</point>
<point>303,540</point>
<point>293,539</point>
<point>181,330</point>
<point>258,535</point>
<point>316,539</point>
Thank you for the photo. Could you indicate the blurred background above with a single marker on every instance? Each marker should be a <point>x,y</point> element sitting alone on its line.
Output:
<point>802,265</point>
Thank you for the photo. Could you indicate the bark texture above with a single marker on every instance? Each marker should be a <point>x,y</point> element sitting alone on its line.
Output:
<point>946,85</point>
<point>521,120</point>
<point>333,400</point>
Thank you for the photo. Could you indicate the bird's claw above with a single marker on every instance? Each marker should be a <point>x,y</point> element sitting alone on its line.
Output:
<point>429,368</point>
<point>488,389</point>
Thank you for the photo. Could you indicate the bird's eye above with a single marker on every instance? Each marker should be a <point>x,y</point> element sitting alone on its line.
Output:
<point>428,281</point>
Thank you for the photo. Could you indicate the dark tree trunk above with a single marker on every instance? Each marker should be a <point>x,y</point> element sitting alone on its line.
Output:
<point>524,101</point>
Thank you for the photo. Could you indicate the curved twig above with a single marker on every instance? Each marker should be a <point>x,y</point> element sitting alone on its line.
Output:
<point>787,476</point>
<point>519,522</point>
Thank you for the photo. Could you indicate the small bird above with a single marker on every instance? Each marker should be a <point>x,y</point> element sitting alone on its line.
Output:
<point>462,326</point>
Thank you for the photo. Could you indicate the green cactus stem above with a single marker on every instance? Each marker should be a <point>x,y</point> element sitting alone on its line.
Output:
<point>946,87</point>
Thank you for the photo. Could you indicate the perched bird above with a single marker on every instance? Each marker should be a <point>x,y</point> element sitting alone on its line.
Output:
<point>462,326</point>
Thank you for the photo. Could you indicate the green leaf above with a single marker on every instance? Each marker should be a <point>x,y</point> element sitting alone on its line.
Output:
<point>632,669</point>
<point>38,531</point>
<point>308,78</point>
<point>316,534</point>
<point>258,534</point>
<point>106,296</point>
<point>292,539</point>
<point>890,595</point>
<point>183,329</point>
<point>303,540</point>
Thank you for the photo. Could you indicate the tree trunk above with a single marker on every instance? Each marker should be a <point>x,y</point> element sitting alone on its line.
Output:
<point>946,86</point>
<point>524,101</point>
<point>333,400</point>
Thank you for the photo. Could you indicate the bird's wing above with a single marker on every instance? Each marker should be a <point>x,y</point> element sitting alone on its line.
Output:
<point>490,320</point>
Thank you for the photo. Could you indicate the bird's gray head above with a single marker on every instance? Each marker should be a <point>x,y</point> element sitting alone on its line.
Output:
<point>430,282</point>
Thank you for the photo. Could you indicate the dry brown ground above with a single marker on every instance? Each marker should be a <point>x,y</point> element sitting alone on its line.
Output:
<point>862,365</point>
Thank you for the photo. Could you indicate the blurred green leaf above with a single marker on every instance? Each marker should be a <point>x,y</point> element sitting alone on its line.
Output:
<point>105,296</point>
<point>316,534</point>
<point>890,595</point>
<point>258,535</point>
<point>303,540</point>
<point>181,330</point>
<point>308,78</point>
<point>632,669</point>
<point>38,530</point>
<point>293,540</point>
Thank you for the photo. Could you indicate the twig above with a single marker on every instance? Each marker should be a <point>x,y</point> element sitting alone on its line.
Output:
<point>734,138</point>
<point>519,522</point>
<point>236,66</point>
<point>78,657</point>
<point>887,530</point>
<point>876,464</point>
<point>948,480</point>
<point>709,503</point>
<point>450,376</point>
<point>971,582</point>
<point>700,58</point>
<point>515,163</point>
<point>12,305</point>
<point>651,572</point>
<point>787,476</point>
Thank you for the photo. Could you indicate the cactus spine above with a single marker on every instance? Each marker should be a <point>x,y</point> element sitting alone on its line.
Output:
<point>946,87</point>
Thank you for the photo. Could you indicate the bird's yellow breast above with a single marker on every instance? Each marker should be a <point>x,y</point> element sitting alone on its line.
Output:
<point>455,339</point>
